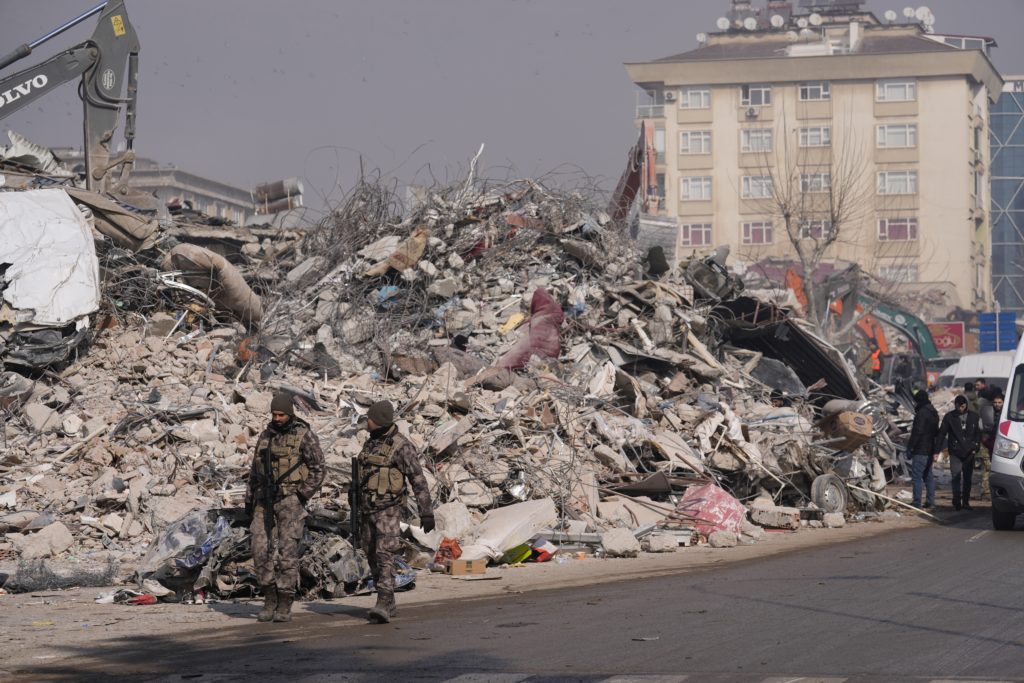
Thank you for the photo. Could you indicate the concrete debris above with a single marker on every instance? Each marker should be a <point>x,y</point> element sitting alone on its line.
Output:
<point>550,384</point>
<point>723,539</point>
<point>620,543</point>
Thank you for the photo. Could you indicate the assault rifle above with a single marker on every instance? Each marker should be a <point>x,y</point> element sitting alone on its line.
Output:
<point>354,500</point>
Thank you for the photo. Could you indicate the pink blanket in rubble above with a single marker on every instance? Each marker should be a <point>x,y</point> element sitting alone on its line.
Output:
<point>542,338</point>
<point>711,509</point>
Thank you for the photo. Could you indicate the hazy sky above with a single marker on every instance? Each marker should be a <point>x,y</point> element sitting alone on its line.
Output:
<point>246,91</point>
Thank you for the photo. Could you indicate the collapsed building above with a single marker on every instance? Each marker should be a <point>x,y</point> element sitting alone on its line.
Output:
<point>561,386</point>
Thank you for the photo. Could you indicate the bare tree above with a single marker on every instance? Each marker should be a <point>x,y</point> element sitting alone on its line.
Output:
<point>821,192</point>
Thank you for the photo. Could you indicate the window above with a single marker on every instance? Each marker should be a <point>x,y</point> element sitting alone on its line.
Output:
<point>815,91</point>
<point>979,190</point>
<point>816,136</point>
<point>898,273</point>
<point>896,91</point>
<point>756,140</point>
<point>897,135</point>
<point>897,182</point>
<point>818,230</point>
<point>659,145</point>
<point>897,230</point>
<point>695,97</point>
<point>759,95</point>
<point>757,187</point>
<point>815,183</point>
<point>696,235</point>
<point>758,232</point>
<point>695,189</point>
<point>695,142</point>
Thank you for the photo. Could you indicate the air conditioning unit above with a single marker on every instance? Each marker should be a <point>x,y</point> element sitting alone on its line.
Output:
<point>752,112</point>
<point>670,95</point>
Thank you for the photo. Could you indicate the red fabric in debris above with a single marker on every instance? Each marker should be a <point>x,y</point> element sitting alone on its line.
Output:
<point>542,338</point>
<point>712,509</point>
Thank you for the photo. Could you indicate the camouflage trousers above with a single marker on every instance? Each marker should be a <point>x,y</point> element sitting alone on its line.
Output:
<point>276,554</point>
<point>983,462</point>
<point>378,536</point>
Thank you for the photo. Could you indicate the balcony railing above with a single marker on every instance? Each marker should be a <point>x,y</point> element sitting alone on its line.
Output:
<point>650,111</point>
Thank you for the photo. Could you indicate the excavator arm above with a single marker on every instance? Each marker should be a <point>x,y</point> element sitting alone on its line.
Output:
<point>108,65</point>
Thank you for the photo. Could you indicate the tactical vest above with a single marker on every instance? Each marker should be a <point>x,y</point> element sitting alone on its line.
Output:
<point>382,483</point>
<point>288,470</point>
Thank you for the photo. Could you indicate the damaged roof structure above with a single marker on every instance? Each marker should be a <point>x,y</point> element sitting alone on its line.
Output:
<point>558,386</point>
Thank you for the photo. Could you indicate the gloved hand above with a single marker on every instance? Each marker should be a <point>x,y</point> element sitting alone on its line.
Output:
<point>427,523</point>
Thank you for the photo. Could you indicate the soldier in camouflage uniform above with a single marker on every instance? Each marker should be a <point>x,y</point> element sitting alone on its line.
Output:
<point>287,470</point>
<point>388,467</point>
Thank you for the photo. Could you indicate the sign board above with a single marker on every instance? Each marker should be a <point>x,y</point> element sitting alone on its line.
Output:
<point>948,336</point>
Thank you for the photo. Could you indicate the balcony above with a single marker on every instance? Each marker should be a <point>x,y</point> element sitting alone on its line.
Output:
<point>650,111</point>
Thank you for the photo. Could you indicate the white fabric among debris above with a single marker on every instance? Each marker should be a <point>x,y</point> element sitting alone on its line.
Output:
<point>504,528</point>
<point>53,274</point>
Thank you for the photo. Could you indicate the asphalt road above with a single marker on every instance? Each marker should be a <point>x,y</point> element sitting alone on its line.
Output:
<point>934,603</point>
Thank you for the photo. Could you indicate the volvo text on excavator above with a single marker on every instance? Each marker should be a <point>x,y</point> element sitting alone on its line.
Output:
<point>108,65</point>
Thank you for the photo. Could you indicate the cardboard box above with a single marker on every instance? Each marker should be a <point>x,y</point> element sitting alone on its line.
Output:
<point>466,567</point>
<point>854,428</point>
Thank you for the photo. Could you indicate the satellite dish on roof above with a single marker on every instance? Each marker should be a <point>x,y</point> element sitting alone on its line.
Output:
<point>815,19</point>
<point>722,23</point>
<point>777,20</point>
<point>929,20</point>
<point>890,15</point>
<point>702,38</point>
<point>792,36</point>
<point>801,22</point>
<point>922,12</point>
<point>750,23</point>
<point>807,33</point>
<point>908,12</point>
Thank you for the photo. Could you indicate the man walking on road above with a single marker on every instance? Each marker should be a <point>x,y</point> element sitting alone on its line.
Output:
<point>388,466</point>
<point>962,430</point>
<point>921,445</point>
<point>287,470</point>
<point>988,440</point>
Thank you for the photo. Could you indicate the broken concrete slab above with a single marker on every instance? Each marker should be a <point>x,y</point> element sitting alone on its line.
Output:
<point>620,542</point>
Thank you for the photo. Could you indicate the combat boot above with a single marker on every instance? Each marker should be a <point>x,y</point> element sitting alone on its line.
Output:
<point>284,605</point>
<point>269,603</point>
<point>384,609</point>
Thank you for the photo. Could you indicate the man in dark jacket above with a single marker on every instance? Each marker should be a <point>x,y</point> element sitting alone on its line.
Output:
<point>287,470</point>
<point>921,445</point>
<point>962,430</point>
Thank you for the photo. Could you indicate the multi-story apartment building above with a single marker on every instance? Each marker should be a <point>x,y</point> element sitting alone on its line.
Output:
<point>1007,141</point>
<point>787,112</point>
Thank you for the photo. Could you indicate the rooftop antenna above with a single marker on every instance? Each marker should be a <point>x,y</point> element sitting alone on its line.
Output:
<point>801,22</point>
<point>921,13</point>
<point>777,21</point>
<point>908,13</point>
<point>807,33</point>
<point>722,24</point>
<point>792,36</point>
<point>890,15</point>
<point>750,23</point>
<point>815,19</point>
<point>702,38</point>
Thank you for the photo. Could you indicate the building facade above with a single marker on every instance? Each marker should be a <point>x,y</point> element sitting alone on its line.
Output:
<point>826,133</point>
<point>1007,143</point>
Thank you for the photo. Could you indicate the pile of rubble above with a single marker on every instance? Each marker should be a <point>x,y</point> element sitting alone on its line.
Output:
<point>534,355</point>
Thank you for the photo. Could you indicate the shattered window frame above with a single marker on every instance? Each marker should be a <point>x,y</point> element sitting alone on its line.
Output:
<point>815,183</point>
<point>896,135</point>
<point>757,187</point>
<point>891,229</point>
<point>695,234</point>
<point>695,142</point>
<point>687,183</point>
<point>896,90</point>
<point>701,92</point>
<point>816,136</point>
<point>815,91</point>
<point>897,182</point>
<point>758,233</point>
<point>755,95</point>
<point>757,140</point>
